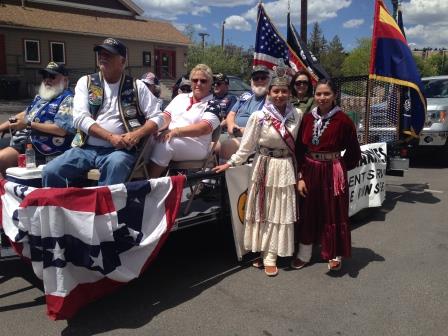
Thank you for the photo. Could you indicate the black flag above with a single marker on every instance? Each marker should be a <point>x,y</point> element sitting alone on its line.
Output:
<point>300,48</point>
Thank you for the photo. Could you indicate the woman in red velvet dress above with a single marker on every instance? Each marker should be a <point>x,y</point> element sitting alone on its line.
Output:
<point>322,172</point>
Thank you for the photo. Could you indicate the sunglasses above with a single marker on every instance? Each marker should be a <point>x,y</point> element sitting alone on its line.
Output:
<point>257,78</point>
<point>47,75</point>
<point>200,80</point>
<point>301,82</point>
<point>185,89</point>
<point>218,83</point>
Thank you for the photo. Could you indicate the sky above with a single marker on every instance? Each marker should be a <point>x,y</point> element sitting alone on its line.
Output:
<point>425,21</point>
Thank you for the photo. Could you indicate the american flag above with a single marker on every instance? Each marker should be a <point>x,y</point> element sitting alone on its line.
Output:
<point>86,242</point>
<point>271,48</point>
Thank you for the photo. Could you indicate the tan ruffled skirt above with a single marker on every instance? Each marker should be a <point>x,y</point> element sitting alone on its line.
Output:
<point>269,223</point>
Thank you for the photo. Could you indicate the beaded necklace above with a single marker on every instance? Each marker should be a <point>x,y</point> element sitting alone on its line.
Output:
<point>321,123</point>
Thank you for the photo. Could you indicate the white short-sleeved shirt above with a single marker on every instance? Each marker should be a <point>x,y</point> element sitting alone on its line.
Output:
<point>109,115</point>
<point>183,113</point>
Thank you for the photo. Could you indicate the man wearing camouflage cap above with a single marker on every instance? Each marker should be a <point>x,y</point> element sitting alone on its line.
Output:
<point>221,94</point>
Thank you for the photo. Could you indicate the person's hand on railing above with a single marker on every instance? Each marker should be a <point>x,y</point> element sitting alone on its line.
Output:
<point>221,168</point>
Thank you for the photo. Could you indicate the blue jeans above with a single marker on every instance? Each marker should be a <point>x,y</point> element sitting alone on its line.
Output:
<point>114,165</point>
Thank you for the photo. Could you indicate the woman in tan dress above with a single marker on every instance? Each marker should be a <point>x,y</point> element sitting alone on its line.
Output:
<point>271,209</point>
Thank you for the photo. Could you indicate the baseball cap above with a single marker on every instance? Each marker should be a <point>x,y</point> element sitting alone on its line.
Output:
<point>220,77</point>
<point>259,69</point>
<point>150,78</point>
<point>113,46</point>
<point>54,69</point>
<point>185,82</point>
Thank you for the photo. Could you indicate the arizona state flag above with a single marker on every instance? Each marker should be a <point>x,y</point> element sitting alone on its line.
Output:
<point>391,61</point>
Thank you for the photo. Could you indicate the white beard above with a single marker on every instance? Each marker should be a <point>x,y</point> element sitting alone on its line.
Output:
<point>49,93</point>
<point>259,90</point>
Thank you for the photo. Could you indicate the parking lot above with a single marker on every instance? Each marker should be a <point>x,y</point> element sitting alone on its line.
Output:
<point>395,283</point>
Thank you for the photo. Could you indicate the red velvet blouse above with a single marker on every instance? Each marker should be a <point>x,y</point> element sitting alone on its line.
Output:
<point>340,134</point>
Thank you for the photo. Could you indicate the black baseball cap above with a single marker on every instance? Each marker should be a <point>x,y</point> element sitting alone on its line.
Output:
<point>53,68</point>
<point>113,46</point>
<point>220,77</point>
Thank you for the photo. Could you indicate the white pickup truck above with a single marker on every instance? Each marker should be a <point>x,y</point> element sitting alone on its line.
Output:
<point>435,132</point>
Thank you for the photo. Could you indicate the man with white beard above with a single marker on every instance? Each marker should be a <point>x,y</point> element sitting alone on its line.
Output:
<point>247,104</point>
<point>47,122</point>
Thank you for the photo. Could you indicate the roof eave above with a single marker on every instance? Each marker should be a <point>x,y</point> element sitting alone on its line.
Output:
<point>95,34</point>
<point>132,6</point>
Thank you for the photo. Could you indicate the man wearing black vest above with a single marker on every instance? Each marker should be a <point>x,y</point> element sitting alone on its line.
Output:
<point>112,113</point>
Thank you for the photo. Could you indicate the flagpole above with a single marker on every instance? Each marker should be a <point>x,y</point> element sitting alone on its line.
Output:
<point>366,118</point>
<point>304,20</point>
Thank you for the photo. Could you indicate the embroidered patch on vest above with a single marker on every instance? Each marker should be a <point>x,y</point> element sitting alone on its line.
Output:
<point>95,95</point>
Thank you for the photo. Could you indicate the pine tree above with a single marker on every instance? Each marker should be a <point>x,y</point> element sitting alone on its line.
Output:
<point>334,57</point>
<point>317,43</point>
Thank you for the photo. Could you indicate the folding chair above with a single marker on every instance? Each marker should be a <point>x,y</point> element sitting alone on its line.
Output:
<point>209,161</point>
<point>139,170</point>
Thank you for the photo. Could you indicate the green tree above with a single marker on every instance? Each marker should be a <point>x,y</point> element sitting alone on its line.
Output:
<point>334,57</point>
<point>357,62</point>
<point>317,43</point>
<point>232,60</point>
<point>425,67</point>
<point>439,62</point>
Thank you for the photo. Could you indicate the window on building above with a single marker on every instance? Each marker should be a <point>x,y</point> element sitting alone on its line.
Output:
<point>147,58</point>
<point>57,52</point>
<point>32,51</point>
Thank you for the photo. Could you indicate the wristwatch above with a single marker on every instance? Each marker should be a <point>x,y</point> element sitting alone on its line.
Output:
<point>28,125</point>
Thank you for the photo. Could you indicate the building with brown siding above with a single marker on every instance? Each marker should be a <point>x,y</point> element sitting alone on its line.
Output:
<point>67,31</point>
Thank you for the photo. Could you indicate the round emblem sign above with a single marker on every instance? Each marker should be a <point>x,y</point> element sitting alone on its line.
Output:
<point>241,206</point>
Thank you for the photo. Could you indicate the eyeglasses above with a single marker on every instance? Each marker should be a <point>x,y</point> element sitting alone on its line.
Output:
<point>46,75</point>
<point>185,89</point>
<point>200,80</point>
<point>218,83</point>
<point>257,78</point>
<point>301,82</point>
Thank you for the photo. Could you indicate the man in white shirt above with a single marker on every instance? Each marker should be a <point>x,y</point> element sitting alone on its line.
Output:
<point>112,113</point>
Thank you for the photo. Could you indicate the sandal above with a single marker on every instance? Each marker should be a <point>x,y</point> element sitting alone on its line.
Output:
<point>271,271</point>
<point>298,264</point>
<point>258,263</point>
<point>334,264</point>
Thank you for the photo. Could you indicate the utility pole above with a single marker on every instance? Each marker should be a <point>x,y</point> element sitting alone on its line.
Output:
<point>303,19</point>
<point>203,35</point>
<point>395,8</point>
<point>222,34</point>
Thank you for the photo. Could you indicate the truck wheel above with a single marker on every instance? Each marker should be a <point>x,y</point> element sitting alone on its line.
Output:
<point>444,155</point>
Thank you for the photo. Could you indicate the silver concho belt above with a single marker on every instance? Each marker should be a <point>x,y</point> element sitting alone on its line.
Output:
<point>324,156</point>
<point>274,152</point>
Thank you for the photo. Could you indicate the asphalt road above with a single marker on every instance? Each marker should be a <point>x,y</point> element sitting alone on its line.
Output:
<point>395,283</point>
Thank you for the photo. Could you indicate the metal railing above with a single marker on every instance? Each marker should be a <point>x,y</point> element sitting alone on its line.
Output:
<point>373,106</point>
